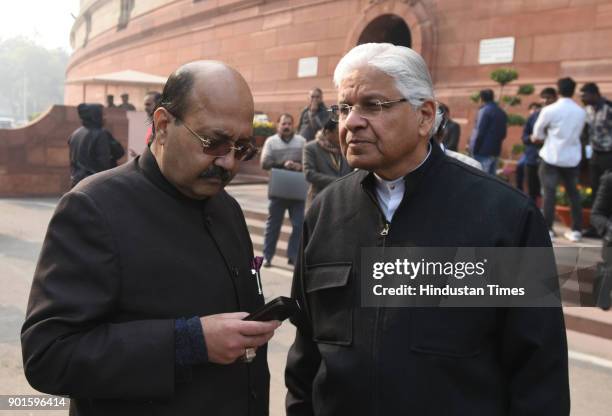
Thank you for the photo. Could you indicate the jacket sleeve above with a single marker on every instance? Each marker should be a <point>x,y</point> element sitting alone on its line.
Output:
<point>320,180</point>
<point>484,122</point>
<point>116,149</point>
<point>303,359</point>
<point>102,153</point>
<point>528,130</point>
<point>72,343</point>
<point>299,126</point>
<point>533,344</point>
<point>541,125</point>
<point>452,140</point>
<point>602,207</point>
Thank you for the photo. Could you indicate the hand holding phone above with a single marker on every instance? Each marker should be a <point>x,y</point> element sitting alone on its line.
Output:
<point>277,309</point>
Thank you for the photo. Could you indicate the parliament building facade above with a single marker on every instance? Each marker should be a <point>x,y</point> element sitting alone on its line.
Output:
<point>285,47</point>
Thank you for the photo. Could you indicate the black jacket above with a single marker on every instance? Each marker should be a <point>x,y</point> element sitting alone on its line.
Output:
<point>452,134</point>
<point>491,128</point>
<point>319,168</point>
<point>93,148</point>
<point>124,256</point>
<point>309,124</point>
<point>349,360</point>
<point>601,214</point>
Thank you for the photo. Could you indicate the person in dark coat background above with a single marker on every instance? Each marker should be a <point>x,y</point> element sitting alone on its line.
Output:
<point>353,360</point>
<point>93,148</point>
<point>314,116</point>
<point>452,130</point>
<point>489,132</point>
<point>323,161</point>
<point>145,273</point>
<point>601,220</point>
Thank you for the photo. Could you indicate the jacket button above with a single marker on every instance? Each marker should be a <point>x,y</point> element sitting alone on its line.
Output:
<point>236,272</point>
<point>254,394</point>
<point>208,220</point>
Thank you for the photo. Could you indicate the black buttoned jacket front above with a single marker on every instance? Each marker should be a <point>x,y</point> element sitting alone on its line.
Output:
<point>124,256</point>
<point>352,360</point>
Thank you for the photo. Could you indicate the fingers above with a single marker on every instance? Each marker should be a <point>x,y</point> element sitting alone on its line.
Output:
<point>233,315</point>
<point>227,336</point>
<point>256,341</point>
<point>254,328</point>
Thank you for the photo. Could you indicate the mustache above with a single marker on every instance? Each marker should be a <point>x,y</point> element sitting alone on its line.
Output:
<point>216,172</point>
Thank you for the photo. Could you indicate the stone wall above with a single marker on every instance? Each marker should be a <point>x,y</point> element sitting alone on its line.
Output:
<point>34,159</point>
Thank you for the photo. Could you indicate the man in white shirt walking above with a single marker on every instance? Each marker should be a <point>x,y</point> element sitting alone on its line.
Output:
<point>559,126</point>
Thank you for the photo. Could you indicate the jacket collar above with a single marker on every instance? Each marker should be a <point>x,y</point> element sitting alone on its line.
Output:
<point>414,178</point>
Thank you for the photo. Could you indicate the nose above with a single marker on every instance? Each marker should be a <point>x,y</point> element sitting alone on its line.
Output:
<point>227,162</point>
<point>354,120</point>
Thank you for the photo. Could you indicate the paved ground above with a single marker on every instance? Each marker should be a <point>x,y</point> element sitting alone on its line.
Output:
<point>22,226</point>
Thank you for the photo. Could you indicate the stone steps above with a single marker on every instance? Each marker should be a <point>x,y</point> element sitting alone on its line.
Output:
<point>592,321</point>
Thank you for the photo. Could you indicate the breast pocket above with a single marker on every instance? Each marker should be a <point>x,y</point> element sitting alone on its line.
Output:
<point>330,297</point>
<point>451,332</point>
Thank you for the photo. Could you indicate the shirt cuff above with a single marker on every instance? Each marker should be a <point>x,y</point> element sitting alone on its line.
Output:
<point>190,347</point>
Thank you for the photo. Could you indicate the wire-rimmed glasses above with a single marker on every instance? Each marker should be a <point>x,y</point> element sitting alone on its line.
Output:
<point>367,110</point>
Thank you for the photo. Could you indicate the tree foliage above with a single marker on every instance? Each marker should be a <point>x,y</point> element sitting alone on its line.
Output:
<point>505,76</point>
<point>30,68</point>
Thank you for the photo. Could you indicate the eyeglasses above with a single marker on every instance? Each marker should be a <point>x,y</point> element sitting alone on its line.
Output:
<point>367,110</point>
<point>215,147</point>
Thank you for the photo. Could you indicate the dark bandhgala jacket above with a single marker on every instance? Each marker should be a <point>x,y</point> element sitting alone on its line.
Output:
<point>126,255</point>
<point>350,360</point>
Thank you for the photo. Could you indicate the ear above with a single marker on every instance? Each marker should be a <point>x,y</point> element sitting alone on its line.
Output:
<point>161,120</point>
<point>427,116</point>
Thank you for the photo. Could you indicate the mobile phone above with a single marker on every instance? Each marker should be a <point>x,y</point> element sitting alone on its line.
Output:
<point>277,309</point>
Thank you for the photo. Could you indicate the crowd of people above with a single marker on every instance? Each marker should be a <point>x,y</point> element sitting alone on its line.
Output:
<point>556,137</point>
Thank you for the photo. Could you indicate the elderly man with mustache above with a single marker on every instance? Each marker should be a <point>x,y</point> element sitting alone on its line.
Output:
<point>145,274</point>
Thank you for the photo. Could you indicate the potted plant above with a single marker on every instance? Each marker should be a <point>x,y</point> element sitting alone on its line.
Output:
<point>262,130</point>
<point>563,210</point>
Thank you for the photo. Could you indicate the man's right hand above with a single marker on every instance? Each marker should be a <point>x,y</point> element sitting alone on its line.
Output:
<point>290,165</point>
<point>227,336</point>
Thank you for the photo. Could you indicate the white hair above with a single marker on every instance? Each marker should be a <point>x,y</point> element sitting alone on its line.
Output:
<point>404,65</point>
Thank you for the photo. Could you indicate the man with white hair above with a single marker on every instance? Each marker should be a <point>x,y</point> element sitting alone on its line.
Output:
<point>352,360</point>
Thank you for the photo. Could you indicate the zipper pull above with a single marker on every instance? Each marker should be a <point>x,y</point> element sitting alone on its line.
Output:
<point>385,229</point>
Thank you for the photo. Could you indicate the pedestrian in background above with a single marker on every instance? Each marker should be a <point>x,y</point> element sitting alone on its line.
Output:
<point>452,130</point>
<point>283,151</point>
<point>110,101</point>
<point>314,116</point>
<point>489,132</point>
<point>323,160</point>
<point>599,132</point>
<point>440,132</point>
<point>559,126</point>
<point>93,148</point>
<point>530,155</point>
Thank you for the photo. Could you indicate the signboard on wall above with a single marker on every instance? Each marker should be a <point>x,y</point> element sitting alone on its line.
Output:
<point>496,50</point>
<point>308,67</point>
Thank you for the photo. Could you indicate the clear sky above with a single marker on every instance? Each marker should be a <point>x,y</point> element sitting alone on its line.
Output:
<point>48,22</point>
